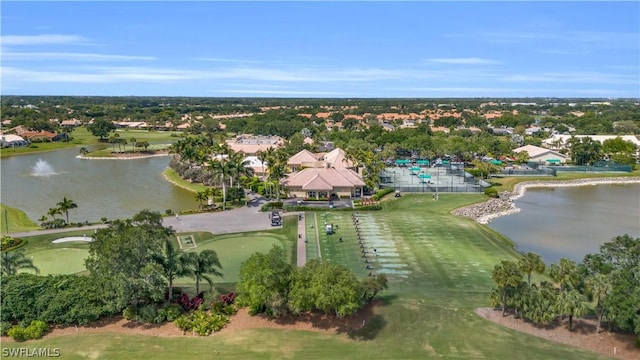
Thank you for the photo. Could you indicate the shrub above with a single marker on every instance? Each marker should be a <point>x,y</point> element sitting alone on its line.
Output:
<point>4,328</point>
<point>170,312</point>
<point>184,322</point>
<point>638,342</point>
<point>381,193</point>
<point>10,243</point>
<point>191,304</point>
<point>17,333</point>
<point>35,330</point>
<point>491,192</point>
<point>147,314</point>
<point>130,312</point>
<point>168,212</point>
<point>272,205</point>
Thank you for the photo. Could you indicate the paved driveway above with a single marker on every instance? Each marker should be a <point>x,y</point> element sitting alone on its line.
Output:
<point>246,218</point>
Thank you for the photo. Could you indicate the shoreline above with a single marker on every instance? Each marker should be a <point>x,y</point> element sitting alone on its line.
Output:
<point>120,157</point>
<point>166,178</point>
<point>504,205</point>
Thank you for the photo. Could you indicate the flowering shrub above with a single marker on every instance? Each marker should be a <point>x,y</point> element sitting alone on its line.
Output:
<point>190,304</point>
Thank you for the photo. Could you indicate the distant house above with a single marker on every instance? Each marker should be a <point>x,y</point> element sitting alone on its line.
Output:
<point>12,141</point>
<point>251,144</point>
<point>71,123</point>
<point>542,155</point>
<point>259,168</point>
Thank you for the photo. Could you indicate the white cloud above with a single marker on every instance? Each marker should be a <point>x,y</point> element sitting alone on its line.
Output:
<point>42,39</point>
<point>464,61</point>
<point>576,77</point>
<point>41,56</point>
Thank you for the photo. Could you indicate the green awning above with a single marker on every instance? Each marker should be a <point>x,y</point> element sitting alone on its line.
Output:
<point>553,160</point>
<point>424,176</point>
<point>422,162</point>
<point>415,168</point>
<point>402,162</point>
<point>445,162</point>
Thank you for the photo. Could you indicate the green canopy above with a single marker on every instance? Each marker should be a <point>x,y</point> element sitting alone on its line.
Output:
<point>424,176</point>
<point>445,162</point>
<point>422,162</point>
<point>555,161</point>
<point>415,168</point>
<point>495,162</point>
<point>402,162</point>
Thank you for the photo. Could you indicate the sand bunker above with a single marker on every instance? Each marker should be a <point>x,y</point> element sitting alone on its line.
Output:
<point>73,238</point>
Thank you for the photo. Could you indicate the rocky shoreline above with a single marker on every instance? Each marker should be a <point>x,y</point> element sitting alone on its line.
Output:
<point>504,204</point>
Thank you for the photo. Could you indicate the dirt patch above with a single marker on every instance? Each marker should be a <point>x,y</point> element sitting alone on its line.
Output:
<point>583,335</point>
<point>241,321</point>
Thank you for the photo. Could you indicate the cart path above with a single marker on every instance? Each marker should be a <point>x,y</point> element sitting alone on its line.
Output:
<point>302,237</point>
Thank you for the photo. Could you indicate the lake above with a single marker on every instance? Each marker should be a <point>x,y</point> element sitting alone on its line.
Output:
<point>101,188</point>
<point>571,221</point>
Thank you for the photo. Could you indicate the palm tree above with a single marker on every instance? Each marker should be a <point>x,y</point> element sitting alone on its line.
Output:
<point>65,205</point>
<point>239,167</point>
<point>571,303</point>
<point>531,262</point>
<point>170,260</point>
<point>565,273</point>
<point>599,286</point>
<point>262,156</point>
<point>133,143</point>
<point>507,276</point>
<point>12,261</point>
<point>53,212</point>
<point>199,266</point>
<point>221,168</point>
<point>201,196</point>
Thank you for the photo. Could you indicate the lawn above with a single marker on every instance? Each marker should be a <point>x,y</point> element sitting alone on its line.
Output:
<point>63,258</point>
<point>439,267</point>
<point>81,136</point>
<point>18,221</point>
<point>233,250</point>
<point>508,182</point>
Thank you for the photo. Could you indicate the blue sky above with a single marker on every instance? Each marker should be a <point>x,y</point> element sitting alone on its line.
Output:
<point>321,49</point>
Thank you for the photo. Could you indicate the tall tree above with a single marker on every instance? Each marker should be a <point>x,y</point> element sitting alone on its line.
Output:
<point>65,205</point>
<point>599,286</point>
<point>571,303</point>
<point>121,258</point>
<point>12,261</point>
<point>565,273</point>
<point>200,266</point>
<point>507,276</point>
<point>263,285</point>
<point>170,260</point>
<point>531,262</point>
<point>101,127</point>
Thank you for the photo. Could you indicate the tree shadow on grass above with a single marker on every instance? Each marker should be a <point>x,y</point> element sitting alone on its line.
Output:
<point>363,325</point>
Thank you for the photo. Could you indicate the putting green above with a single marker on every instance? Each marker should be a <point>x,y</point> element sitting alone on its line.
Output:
<point>232,251</point>
<point>60,260</point>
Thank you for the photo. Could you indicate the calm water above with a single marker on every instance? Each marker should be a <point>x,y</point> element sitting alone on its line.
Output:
<point>573,221</point>
<point>109,188</point>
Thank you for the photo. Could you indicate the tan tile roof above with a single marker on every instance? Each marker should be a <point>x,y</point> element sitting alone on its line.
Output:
<point>337,158</point>
<point>302,157</point>
<point>321,179</point>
